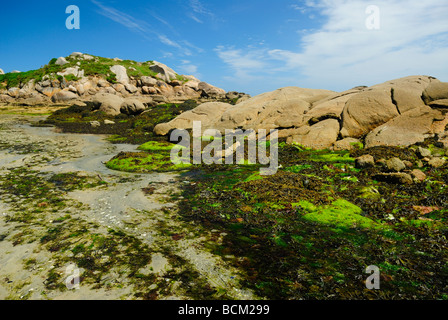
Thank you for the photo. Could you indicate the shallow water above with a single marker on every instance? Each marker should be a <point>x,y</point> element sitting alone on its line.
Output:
<point>119,204</point>
<point>118,201</point>
<point>95,150</point>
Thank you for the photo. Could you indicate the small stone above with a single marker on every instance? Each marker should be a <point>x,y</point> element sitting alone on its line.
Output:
<point>436,162</point>
<point>408,164</point>
<point>109,122</point>
<point>369,192</point>
<point>395,164</point>
<point>396,177</point>
<point>438,152</point>
<point>382,163</point>
<point>390,217</point>
<point>152,287</point>
<point>365,161</point>
<point>418,175</point>
<point>95,124</point>
<point>347,144</point>
<point>423,153</point>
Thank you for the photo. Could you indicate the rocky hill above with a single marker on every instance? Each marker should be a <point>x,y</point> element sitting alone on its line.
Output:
<point>400,112</point>
<point>110,82</point>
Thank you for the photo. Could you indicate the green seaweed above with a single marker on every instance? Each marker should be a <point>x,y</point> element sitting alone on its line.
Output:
<point>145,162</point>
<point>157,146</point>
<point>310,230</point>
<point>340,213</point>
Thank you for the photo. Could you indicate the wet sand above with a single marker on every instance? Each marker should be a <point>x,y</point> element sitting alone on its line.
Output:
<point>119,203</point>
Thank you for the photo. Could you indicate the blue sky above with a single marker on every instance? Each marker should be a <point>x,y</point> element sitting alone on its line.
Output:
<point>250,46</point>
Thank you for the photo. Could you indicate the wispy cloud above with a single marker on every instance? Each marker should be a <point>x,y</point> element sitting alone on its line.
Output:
<point>344,46</point>
<point>188,44</point>
<point>187,67</point>
<point>343,52</point>
<point>198,9</point>
<point>164,39</point>
<point>122,18</point>
<point>192,16</point>
<point>302,9</point>
<point>148,31</point>
<point>244,63</point>
<point>164,22</point>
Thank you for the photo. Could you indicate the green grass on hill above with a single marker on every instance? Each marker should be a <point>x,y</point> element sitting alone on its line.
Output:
<point>98,66</point>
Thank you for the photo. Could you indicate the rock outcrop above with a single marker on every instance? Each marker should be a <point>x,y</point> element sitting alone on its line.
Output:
<point>405,129</point>
<point>61,61</point>
<point>163,72</point>
<point>64,96</point>
<point>83,77</point>
<point>132,106</point>
<point>120,73</point>
<point>400,112</point>
<point>108,103</point>
<point>207,113</point>
<point>322,135</point>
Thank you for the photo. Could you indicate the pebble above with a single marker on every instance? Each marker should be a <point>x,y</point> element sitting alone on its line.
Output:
<point>436,162</point>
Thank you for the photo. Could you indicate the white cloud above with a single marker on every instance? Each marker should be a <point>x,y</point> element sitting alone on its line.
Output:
<point>192,16</point>
<point>167,54</point>
<point>198,7</point>
<point>199,10</point>
<point>192,46</point>
<point>145,30</point>
<point>343,52</point>
<point>122,18</point>
<point>243,62</point>
<point>164,39</point>
<point>166,23</point>
<point>251,70</point>
<point>187,67</point>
